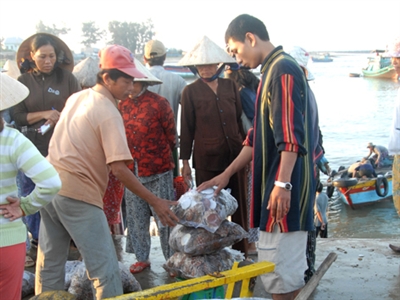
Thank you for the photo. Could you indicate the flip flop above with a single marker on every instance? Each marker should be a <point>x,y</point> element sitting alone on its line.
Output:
<point>29,262</point>
<point>139,267</point>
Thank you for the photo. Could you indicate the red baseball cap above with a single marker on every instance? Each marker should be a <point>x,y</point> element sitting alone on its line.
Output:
<point>120,58</point>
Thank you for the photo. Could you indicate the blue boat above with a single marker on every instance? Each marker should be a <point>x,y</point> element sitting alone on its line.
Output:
<point>321,58</point>
<point>357,191</point>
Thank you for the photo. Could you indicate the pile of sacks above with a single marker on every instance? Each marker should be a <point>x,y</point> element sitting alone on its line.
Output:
<point>203,236</point>
<point>78,284</point>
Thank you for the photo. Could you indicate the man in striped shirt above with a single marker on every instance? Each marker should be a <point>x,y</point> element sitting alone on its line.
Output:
<point>280,145</point>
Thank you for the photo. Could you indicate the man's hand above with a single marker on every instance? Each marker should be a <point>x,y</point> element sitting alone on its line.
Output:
<point>187,174</point>
<point>279,203</point>
<point>12,210</point>
<point>164,212</point>
<point>220,181</point>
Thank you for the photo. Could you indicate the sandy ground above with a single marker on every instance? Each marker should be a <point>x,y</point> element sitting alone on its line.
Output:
<point>364,269</point>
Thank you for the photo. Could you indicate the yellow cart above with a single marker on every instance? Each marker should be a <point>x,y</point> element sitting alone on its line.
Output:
<point>229,278</point>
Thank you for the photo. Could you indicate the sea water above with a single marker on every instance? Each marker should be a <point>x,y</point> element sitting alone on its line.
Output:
<point>354,111</point>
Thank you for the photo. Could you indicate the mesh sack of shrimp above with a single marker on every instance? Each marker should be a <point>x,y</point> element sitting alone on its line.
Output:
<point>198,241</point>
<point>204,210</point>
<point>186,266</point>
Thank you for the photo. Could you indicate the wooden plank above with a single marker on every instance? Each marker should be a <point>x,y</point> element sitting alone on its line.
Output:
<point>177,289</point>
<point>313,282</point>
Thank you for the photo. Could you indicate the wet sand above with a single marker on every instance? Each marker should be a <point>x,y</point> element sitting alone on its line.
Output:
<point>364,269</point>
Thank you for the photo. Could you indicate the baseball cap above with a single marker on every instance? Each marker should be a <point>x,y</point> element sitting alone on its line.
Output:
<point>120,58</point>
<point>154,48</point>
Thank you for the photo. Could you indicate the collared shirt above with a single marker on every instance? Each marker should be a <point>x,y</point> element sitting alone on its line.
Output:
<point>211,124</point>
<point>282,123</point>
<point>89,136</point>
<point>150,131</point>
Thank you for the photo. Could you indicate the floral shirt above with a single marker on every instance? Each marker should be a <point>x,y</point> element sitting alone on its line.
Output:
<point>150,131</point>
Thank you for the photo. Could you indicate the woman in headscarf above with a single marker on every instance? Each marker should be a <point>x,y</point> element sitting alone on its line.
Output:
<point>151,134</point>
<point>18,153</point>
<point>211,124</point>
<point>46,63</point>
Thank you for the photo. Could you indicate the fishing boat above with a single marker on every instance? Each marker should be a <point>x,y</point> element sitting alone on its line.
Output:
<point>358,191</point>
<point>179,70</point>
<point>321,58</point>
<point>380,66</point>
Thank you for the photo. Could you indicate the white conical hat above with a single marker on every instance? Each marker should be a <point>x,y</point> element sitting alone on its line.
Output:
<point>150,78</point>
<point>11,91</point>
<point>206,52</point>
<point>302,56</point>
<point>86,72</point>
<point>11,69</point>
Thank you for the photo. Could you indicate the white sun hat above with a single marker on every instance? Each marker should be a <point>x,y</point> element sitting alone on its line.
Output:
<point>150,78</point>
<point>302,57</point>
<point>11,69</point>
<point>206,52</point>
<point>11,91</point>
<point>394,50</point>
<point>86,72</point>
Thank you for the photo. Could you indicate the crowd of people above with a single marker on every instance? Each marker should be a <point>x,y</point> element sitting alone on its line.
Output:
<point>80,150</point>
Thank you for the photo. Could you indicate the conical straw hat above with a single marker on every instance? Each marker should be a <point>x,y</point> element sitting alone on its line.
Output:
<point>150,78</point>
<point>86,72</point>
<point>11,69</point>
<point>64,55</point>
<point>206,52</point>
<point>11,91</point>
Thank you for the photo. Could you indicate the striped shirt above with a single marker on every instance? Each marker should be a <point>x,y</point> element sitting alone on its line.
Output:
<point>18,153</point>
<point>282,123</point>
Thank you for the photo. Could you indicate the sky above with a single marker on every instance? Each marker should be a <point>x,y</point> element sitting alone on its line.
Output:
<point>315,25</point>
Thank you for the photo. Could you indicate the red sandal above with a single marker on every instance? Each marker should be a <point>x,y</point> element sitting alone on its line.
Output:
<point>139,267</point>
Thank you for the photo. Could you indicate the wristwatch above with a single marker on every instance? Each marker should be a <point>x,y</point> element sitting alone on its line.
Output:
<point>285,185</point>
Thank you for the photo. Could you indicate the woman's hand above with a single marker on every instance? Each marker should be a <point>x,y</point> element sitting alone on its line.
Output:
<point>187,173</point>
<point>12,210</point>
<point>51,117</point>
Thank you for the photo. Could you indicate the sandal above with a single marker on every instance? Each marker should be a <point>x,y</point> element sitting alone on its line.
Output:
<point>29,262</point>
<point>139,267</point>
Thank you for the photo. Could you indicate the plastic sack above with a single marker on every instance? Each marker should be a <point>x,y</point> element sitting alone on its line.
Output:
<point>186,266</point>
<point>70,268</point>
<point>204,210</point>
<point>198,241</point>
<point>81,285</point>
<point>28,284</point>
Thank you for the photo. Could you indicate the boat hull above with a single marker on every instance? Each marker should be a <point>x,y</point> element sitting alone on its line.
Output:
<point>388,73</point>
<point>363,192</point>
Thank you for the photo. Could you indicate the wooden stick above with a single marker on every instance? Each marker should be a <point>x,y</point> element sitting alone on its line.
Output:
<point>313,282</point>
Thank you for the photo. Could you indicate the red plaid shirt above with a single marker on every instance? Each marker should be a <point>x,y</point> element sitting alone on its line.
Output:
<point>150,131</point>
